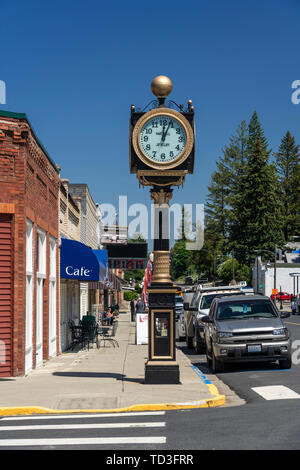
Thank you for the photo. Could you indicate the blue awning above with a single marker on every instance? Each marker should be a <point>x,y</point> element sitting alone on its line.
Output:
<point>101,255</point>
<point>78,261</point>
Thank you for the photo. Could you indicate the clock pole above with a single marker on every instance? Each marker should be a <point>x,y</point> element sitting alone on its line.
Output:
<point>161,366</point>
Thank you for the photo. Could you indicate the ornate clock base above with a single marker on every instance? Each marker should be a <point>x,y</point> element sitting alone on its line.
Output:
<point>161,372</point>
<point>161,367</point>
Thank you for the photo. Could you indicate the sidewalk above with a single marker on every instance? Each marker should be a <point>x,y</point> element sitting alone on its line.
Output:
<point>105,379</point>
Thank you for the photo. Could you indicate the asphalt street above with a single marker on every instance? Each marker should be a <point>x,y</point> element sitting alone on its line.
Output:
<point>269,426</point>
<point>242,378</point>
<point>269,418</point>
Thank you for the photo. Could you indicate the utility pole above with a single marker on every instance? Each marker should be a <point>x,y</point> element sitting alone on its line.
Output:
<point>275,266</point>
<point>214,267</point>
<point>233,274</point>
<point>257,274</point>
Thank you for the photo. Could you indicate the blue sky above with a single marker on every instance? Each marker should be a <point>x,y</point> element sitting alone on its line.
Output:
<point>75,67</point>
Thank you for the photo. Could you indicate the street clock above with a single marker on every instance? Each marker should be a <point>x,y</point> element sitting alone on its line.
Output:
<point>161,154</point>
<point>162,140</point>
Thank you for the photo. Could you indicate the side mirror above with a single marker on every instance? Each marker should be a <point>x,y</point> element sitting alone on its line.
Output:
<point>186,306</point>
<point>285,314</point>
<point>206,319</point>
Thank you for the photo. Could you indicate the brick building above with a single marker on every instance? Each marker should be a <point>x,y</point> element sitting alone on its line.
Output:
<point>29,268</point>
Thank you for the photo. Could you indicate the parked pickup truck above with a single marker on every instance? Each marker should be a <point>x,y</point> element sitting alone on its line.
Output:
<point>244,329</point>
<point>197,307</point>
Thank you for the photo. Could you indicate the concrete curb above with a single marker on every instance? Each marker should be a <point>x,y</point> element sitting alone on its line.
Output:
<point>30,410</point>
<point>216,400</point>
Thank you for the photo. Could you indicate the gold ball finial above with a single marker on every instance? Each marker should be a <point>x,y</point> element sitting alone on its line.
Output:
<point>161,86</point>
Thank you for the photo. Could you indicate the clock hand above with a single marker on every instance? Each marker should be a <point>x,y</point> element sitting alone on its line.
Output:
<point>162,134</point>
<point>165,134</point>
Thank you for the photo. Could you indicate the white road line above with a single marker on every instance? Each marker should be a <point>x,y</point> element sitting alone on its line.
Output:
<point>82,441</point>
<point>79,416</point>
<point>275,392</point>
<point>83,426</point>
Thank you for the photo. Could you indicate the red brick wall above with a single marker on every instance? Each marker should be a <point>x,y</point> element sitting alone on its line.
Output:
<point>29,188</point>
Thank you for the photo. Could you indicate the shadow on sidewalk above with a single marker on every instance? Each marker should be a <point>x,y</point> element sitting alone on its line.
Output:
<point>98,375</point>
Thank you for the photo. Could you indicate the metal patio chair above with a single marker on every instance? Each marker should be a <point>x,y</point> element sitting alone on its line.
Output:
<point>107,333</point>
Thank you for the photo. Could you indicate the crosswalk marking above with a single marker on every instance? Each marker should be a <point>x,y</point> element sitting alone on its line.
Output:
<point>80,416</point>
<point>82,441</point>
<point>27,429</point>
<point>83,426</point>
<point>275,392</point>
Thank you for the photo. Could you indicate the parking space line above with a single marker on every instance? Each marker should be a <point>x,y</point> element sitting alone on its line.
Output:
<point>275,392</point>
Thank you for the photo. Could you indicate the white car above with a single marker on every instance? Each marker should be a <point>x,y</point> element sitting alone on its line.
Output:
<point>199,308</point>
<point>180,327</point>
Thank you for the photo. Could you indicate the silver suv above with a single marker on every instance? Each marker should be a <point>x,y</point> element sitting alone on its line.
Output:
<point>243,329</point>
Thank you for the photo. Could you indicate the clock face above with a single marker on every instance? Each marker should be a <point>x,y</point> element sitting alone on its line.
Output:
<point>162,138</point>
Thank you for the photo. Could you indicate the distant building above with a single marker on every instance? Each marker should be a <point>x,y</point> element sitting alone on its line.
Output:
<point>263,274</point>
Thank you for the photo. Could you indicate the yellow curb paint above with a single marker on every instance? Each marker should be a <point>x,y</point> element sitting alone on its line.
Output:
<point>219,400</point>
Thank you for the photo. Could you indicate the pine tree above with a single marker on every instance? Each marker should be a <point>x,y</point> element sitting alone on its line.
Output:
<point>218,210</point>
<point>180,256</point>
<point>223,187</point>
<point>288,167</point>
<point>256,205</point>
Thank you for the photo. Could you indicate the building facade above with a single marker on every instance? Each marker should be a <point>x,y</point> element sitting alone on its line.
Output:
<point>29,267</point>
<point>90,293</point>
<point>69,228</point>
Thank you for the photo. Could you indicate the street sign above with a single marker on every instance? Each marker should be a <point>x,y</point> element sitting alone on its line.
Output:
<point>274,291</point>
<point>130,256</point>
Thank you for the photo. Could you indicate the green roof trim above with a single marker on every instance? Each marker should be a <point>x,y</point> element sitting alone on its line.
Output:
<point>23,116</point>
<point>13,115</point>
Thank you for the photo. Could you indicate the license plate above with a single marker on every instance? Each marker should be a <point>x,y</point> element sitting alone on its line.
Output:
<point>254,348</point>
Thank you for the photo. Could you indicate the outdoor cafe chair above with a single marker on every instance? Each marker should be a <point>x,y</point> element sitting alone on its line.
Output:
<point>76,334</point>
<point>107,333</point>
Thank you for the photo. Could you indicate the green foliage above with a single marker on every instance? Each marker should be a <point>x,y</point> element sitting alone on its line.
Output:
<point>288,168</point>
<point>129,295</point>
<point>222,189</point>
<point>137,274</point>
<point>241,272</point>
<point>218,209</point>
<point>252,205</point>
<point>180,260</point>
<point>257,216</point>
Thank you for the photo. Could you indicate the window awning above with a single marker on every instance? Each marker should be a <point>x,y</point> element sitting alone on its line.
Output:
<point>81,263</point>
<point>101,255</point>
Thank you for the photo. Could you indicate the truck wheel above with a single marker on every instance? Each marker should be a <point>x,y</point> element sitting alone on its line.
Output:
<point>199,347</point>
<point>217,366</point>
<point>189,342</point>
<point>208,359</point>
